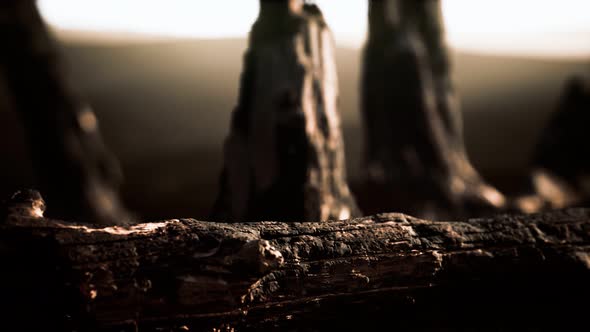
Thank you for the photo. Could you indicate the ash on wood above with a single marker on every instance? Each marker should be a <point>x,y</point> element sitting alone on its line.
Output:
<point>284,157</point>
<point>415,152</point>
<point>503,273</point>
<point>75,170</point>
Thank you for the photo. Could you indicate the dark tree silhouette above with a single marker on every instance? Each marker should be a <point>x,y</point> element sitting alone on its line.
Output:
<point>75,171</point>
<point>560,167</point>
<point>526,271</point>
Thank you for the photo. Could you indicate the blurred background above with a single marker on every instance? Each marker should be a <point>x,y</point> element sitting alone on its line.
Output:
<point>163,79</point>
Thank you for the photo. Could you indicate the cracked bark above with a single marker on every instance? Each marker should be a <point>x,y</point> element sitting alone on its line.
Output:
<point>284,157</point>
<point>511,271</point>
<point>415,152</point>
<point>75,170</point>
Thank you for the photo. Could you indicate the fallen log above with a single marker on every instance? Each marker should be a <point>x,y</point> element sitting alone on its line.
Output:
<point>505,272</point>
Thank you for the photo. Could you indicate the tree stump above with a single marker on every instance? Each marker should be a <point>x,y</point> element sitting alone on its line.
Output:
<point>560,175</point>
<point>509,272</point>
<point>284,157</point>
<point>75,170</point>
<point>415,155</point>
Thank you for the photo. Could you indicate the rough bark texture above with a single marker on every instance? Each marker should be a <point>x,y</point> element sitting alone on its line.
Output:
<point>500,273</point>
<point>284,157</point>
<point>74,168</point>
<point>561,164</point>
<point>414,142</point>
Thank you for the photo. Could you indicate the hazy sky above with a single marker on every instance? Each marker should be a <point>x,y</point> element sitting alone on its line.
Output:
<point>526,27</point>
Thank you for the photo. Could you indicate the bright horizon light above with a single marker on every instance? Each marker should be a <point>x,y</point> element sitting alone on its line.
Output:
<point>550,28</point>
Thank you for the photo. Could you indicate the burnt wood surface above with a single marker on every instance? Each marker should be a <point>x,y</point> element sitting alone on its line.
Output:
<point>509,272</point>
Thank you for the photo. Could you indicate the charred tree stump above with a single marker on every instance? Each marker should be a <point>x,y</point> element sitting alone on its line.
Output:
<point>284,157</point>
<point>415,154</point>
<point>501,273</point>
<point>560,174</point>
<point>74,169</point>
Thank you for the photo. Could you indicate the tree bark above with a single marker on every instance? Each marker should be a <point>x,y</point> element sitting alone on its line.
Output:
<point>75,170</point>
<point>503,273</point>
<point>284,157</point>
<point>415,152</point>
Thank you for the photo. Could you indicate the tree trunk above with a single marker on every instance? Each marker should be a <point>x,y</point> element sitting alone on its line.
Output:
<point>75,170</point>
<point>500,273</point>
<point>415,154</point>
<point>284,157</point>
<point>560,173</point>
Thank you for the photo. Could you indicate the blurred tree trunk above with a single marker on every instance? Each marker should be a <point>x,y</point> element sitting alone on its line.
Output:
<point>415,151</point>
<point>284,157</point>
<point>560,175</point>
<point>76,172</point>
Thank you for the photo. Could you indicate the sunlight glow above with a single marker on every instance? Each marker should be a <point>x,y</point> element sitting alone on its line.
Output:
<point>529,27</point>
<point>524,27</point>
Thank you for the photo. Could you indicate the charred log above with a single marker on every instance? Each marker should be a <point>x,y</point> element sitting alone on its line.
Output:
<point>503,273</point>
<point>560,167</point>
